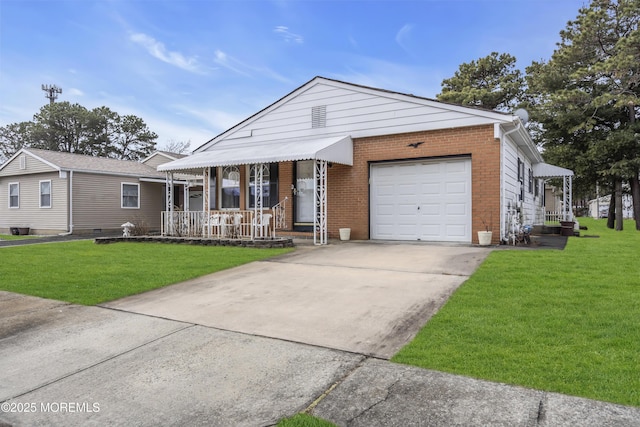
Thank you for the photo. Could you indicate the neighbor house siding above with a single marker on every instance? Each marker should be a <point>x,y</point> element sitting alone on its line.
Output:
<point>40,220</point>
<point>97,202</point>
<point>32,165</point>
<point>157,160</point>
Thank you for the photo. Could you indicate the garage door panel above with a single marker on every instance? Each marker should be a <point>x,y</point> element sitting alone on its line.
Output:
<point>430,189</point>
<point>456,188</point>
<point>422,201</point>
<point>456,209</point>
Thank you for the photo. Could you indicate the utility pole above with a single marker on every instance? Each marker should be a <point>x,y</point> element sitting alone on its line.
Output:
<point>52,92</point>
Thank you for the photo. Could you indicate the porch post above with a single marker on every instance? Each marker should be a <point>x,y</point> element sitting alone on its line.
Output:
<point>320,203</point>
<point>566,199</point>
<point>257,206</point>
<point>169,184</point>
<point>206,188</point>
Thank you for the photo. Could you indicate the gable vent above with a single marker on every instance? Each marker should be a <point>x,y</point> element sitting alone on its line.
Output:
<point>23,162</point>
<point>319,116</point>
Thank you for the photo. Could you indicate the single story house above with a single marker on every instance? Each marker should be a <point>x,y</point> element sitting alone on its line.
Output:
<point>53,192</point>
<point>390,166</point>
<point>599,207</point>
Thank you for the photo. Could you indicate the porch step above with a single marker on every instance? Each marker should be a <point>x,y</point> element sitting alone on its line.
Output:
<point>546,229</point>
<point>294,234</point>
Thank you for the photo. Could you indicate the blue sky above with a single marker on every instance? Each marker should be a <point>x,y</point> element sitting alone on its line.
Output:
<point>191,69</point>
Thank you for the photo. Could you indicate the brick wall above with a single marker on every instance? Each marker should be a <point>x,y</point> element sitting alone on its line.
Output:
<point>348,186</point>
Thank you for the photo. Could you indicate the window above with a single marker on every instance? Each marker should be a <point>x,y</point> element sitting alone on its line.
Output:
<point>230,189</point>
<point>530,181</point>
<point>520,171</point>
<point>130,196</point>
<point>14,195</point>
<point>45,194</point>
<point>269,186</point>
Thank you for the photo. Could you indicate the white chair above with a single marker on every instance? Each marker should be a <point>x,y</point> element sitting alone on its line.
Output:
<point>235,230</point>
<point>214,223</point>
<point>261,226</point>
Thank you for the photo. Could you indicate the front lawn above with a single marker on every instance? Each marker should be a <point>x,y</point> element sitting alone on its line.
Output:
<point>82,272</point>
<point>564,321</point>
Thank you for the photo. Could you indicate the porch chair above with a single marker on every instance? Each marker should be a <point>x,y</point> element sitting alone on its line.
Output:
<point>235,230</point>
<point>263,227</point>
<point>215,223</point>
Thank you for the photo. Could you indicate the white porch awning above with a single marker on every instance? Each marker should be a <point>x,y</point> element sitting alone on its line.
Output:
<point>545,170</point>
<point>337,149</point>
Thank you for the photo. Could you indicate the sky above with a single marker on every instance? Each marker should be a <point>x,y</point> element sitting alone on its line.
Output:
<point>193,68</point>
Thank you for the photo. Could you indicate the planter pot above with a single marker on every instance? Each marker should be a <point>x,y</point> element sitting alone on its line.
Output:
<point>566,228</point>
<point>484,237</point>
<point>345,233</point>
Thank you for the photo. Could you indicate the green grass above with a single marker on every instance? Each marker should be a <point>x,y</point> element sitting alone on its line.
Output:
<point>304,420</point>
<point>19,237</point>
<point>82,272</point>
<point>564,321</point>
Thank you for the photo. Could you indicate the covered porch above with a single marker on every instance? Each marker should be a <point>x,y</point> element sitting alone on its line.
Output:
<point>563,212</point>
<point>256,216</point>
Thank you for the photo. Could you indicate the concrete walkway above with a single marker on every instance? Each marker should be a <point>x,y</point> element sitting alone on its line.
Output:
<point>221,360</point>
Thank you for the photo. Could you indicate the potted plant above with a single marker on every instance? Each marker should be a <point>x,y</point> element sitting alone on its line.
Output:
<point>484,236</point>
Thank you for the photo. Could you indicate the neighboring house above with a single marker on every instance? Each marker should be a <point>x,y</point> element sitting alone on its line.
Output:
<point>599,208</point>
<point>387,165</point>
<point>53,192</point>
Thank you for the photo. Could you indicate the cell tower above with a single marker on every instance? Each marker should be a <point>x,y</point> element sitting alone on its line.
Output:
<point>52,92</point>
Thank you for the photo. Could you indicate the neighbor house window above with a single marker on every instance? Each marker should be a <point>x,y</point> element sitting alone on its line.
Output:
<point>45,194</point>
<point>130,195</point>
<point>14,195</point>
<point>230,188</point>
<point>269,186</point>
<point>530,181</point>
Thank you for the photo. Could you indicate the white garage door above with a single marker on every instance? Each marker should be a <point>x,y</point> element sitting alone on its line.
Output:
<point>423,200</point>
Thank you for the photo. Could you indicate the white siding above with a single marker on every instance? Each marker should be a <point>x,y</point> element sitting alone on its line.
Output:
<point>530,205</point>
<point>349,110</point>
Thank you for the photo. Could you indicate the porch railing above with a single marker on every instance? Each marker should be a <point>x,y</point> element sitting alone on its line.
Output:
<point>553,217</point>
<point>224,224</point>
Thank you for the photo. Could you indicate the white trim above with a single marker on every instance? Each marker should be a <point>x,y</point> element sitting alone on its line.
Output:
<point>122,184</point>
<point>40,194</point>
<point>9,195</point>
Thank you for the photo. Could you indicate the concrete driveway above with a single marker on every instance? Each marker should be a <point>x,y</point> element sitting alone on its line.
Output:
<point>192,354</point>
<point>364,298</point>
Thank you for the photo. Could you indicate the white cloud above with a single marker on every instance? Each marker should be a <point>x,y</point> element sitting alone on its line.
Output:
<point>287,35</point>
<point>159,51</point>
<point>403,35</point>
<point>229,62</point>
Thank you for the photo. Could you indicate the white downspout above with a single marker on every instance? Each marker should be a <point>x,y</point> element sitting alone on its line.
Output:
<point>70,202</point>
<point>503,214</point>
<point>70,225</point>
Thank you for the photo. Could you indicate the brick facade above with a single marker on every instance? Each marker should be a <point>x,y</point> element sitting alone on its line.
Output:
<point>348,186</point>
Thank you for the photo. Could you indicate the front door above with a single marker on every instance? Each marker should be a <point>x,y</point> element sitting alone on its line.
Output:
<point>304,189</point>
